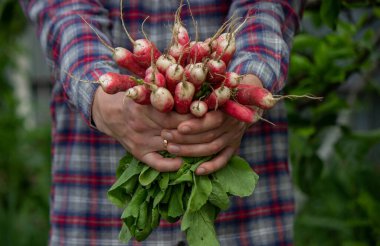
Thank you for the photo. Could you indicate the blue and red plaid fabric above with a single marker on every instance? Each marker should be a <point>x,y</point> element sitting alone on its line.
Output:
<point>84,160</point>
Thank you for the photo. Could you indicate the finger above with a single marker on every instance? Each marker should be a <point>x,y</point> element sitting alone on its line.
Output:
<point>216,163</point>
<point>174,136</point>
<point>211,120</point>
<point>160,163</point>
<point>169,120</point>
<point>204,149</point>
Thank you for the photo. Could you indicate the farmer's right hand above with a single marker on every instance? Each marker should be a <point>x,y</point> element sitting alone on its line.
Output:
<point>137,127</point>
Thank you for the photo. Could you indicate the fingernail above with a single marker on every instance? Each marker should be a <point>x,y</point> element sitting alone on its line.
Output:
<point>172,148</point>
<point>167,135</point>
<point>185,129</point>
<point>201,171</point>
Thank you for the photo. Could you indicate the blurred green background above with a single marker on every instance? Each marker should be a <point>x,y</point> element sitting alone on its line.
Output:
<point>335,144</point>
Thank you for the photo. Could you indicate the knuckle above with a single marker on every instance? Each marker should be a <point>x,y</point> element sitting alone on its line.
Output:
<point>210,136</point>
<point>216,146</point>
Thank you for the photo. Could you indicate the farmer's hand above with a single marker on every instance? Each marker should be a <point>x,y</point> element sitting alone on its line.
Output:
<point>215,133</point>
<point>136,127</point>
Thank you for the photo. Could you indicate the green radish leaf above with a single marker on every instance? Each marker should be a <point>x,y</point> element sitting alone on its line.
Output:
<point>185,177</point>
<point>144,221</point>
<point>130,185</point>
<point>168,193</point>
<point>117,194</point>
<point>148,175</point>
<point>176,204</point>
<point>200,160</point>
<point>202,188</point>
<point>158,198</point>
<point>164,181</point>
<point>123,164</point>
<point>143,216</point>
<point>219,196</point>
<point>125,235</point>
<point>155,217</point>
<point>237,177</point>
<point>199,226</point>
<point>133,208</point>
<point>184,168</point>
<point>163,208</point>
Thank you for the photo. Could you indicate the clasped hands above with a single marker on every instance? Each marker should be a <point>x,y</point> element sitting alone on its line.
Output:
<point>143,131</point>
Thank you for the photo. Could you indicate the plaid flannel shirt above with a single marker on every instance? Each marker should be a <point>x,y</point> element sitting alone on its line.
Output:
<point>84,160</point>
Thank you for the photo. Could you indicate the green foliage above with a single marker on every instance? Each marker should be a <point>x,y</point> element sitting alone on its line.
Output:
<point>25,154</point>
<point>330,159</point>
<point>195,199</point>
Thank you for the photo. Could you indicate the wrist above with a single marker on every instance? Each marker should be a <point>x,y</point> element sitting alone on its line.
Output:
<point>95,109</point>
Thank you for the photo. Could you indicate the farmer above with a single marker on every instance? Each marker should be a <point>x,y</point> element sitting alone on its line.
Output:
<point>92,130</point>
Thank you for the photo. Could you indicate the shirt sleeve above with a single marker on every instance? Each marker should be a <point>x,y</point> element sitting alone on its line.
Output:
<point>263,44</point>
<point>72,48</point>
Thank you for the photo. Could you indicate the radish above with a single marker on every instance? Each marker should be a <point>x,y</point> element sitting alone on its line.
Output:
<point>153,76</point>
<point>164,61</point>
<point>241,112</point>
<point>187,70</point>
<point>123,57</point>
<point>226,44</point>
<point>111,82</point>
<point>216,70</point>
<point>199,51</point>
<point>218,97</point>
<point>179,52</point>
<point>141,47</point>
<point>179,33</point>
<point>179,46</point>
<point>183,96</point>
<point>161,99</point>
<point>140,94</point>
<point>174,74</point>
<point>156,78</point>
<point>198,108</point>
<point>232,79</point>
<point>261,97</point>
<point>212,43</point>
<point>197,74</point>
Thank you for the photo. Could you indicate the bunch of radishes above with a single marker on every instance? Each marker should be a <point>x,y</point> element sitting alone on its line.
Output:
<point>191,77</point>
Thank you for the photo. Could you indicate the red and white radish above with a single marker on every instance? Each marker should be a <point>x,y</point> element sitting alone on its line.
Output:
<point>174,74</point>
<point>141,47</point>
<point>161,99</point>
<point>218,97</point>
<point>179,52</point>
<point>122,56</point>
<point>164,61</point>
<point>180,34</point>
<point>241,112</point>
<point>111,82</point>
<point>261,97</point>
<point>140,94</point>
<point>198,108</point>
<point>232,79</point>
<point>198,52</point>
<point>156,78</point>
<point>183,96</point>
<point>226,44</point>
<point>216,70</point>
<point>197,74</point>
